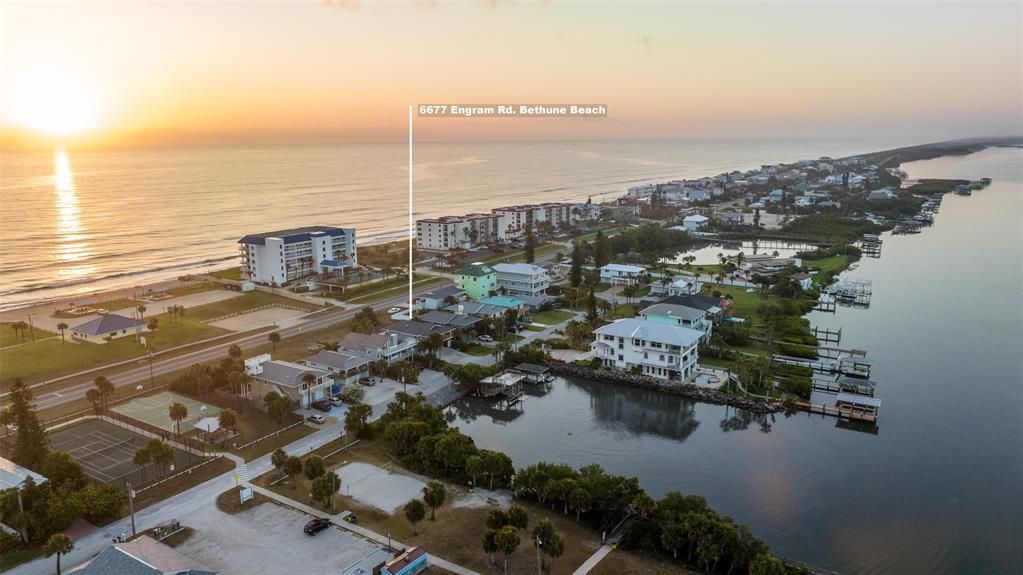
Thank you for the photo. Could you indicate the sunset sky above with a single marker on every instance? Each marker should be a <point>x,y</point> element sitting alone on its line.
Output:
<point>173,72</point>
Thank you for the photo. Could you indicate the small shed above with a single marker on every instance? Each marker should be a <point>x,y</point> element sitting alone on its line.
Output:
<point>535,373</point>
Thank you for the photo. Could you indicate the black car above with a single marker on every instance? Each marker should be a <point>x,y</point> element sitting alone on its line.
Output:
<point>321,405</point>
<point>316,525</point>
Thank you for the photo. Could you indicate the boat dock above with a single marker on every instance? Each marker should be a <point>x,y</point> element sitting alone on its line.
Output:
<point>870,245</point>
<point>848,365</point>
<point>851,407</point>
<point>910,227</point>
<point>851,291</point>
<point>825,335</point>
<point>508,384</point>
<point>844,384</point>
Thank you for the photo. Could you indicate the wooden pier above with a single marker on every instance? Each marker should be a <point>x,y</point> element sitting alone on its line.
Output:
<point>870,245</point>
<point>910,227</point>
<point>825,304</point>
<point>844,384</point>
<point>853,366</point>
<point>836,411</point>
<point>851,291</point>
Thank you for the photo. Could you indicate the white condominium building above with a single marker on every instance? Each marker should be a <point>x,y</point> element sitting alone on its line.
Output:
<point>450,232</point>
<point>275,258</point>
<point>659,350</point>
<point>522,279</point>
<point>510,222</point>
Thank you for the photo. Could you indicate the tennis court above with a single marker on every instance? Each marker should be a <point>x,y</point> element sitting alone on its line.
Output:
<point>154,410</point>
<point>104,450</point>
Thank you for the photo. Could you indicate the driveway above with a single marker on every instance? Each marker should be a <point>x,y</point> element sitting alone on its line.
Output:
<point>268,539</point>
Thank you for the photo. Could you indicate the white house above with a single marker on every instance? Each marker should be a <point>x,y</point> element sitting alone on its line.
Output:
<point>882,194</point>
<point>678,285</point>
<point>439,298</point>
<point>620,274</point>
<point>107,327</point>
<point>275,258</point>
<point>695,222</point>
<point>659,350</point>
<point>685,316</point>
<point>731,217</point>
<point>390,348</point>
<point>522,279</point>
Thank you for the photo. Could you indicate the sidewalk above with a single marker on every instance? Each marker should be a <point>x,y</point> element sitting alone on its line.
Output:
<point>590,563</point>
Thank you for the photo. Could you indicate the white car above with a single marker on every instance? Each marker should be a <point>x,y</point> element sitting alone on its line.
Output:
<point>394,310</point>
<point>486,338</point>
<point>316,418</point>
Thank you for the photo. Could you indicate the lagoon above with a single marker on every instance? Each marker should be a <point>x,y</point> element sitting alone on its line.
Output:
<point>936,490</point>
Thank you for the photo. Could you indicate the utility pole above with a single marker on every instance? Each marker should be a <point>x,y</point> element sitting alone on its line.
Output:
<point>152,384</point>
<point>131,508</point>
<point>31,328</point>
<point>539,563</point>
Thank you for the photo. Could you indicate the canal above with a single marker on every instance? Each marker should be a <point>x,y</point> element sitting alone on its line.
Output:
<point>938,488</point>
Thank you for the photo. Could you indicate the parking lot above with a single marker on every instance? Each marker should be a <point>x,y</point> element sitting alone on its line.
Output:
<point>269,539</point>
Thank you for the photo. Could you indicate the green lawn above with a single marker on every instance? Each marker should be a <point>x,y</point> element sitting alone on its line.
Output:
<point>381,290</point>
<point>535,328</point>
<point>479,350</point>
<point>12,559</point>
<point>9,337</point>
<point>623,310</point>
<point>833,264</point>
<point>234,274</point>
<point>246,301</point>
<point>194,288</point>
<point>601,287</point>
<point>49,358</point>
<point>552,317</point>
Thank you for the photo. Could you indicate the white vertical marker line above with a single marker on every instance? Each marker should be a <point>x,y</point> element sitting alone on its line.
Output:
<point>411,229</point>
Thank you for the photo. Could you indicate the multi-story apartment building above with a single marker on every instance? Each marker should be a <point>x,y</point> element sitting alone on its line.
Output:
<point>522,279</point>
<point>508,223</point>
<point>659,350</point>
<point>276,258</point>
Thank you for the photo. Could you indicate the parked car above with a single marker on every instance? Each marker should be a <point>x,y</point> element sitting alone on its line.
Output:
<point>485,337</point>
<point>513,329</point>
<point>316,525</point>
<point>316,418</point>
<point>394,310</point>
<point>321,405</point>
<point>369,381</point>
<point>336,401</point>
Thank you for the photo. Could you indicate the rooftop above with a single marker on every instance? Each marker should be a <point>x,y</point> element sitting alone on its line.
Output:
<point>675,310</point>
<point>107,323</point>
<point>503,301</point>
<point>338,359</point>
<point>417,328</point>
<point>623,268</point>
<point>447,318</point>
<point>476,269</point>
<point>634,328</point>
<point>475,308</point>
<point>13,475</point>
<point>524,269</point>
<point>143,556</point>
<point>444,292</point>
<point>287,373</point>
<point>293,235</point>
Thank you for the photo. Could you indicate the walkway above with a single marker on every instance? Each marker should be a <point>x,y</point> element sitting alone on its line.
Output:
<point>593,560</point>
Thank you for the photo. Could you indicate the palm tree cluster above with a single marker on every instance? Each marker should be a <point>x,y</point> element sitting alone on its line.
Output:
<point>156,452</point>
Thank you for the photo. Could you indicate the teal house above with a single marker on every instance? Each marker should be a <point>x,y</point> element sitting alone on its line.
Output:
<point>478,280</point>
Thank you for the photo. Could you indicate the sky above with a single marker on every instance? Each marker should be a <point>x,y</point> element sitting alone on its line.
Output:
<point>305,71</point>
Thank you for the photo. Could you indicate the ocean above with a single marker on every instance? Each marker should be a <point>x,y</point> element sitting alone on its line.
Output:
<point>74,222</point>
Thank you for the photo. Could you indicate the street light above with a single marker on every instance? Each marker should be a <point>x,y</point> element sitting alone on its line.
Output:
<point>539,563</point>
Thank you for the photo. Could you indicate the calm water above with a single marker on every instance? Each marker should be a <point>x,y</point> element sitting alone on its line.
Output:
<point>939,488</point>
<point>73,222</point>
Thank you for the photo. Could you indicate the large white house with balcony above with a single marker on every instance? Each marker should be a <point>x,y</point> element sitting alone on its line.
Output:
<point>276,258</point>
<point>522,279</point>
<point>655,349</point>
<point>449,232</point>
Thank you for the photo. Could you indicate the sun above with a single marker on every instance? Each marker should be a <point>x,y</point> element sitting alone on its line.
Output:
<point>56,103</point>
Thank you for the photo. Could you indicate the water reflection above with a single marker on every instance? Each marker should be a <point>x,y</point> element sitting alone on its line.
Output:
<point>640,411</point>
<point>71,244</point>
<point>740,420</point>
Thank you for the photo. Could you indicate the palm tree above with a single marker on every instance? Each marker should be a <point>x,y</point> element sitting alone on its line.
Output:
<point>143,457</point>
<point>309,379</point>
<point>105,387</point>
<point>19,327</point>
<point>95,398</point>
<point>274,338</point>
<point>58,544</point>
<point>61,327</point>
<point>177,412</point>
<point>142,311</point>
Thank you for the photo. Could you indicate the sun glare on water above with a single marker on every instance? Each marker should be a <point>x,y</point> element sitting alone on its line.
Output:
<point>55,102</point>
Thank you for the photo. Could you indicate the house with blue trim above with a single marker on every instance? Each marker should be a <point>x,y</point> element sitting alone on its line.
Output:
<point>409,562</point>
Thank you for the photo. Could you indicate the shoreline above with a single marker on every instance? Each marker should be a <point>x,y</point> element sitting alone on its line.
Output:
<point>99,293</point>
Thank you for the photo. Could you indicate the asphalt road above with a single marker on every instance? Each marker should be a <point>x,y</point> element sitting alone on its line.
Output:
<point>74,388</point>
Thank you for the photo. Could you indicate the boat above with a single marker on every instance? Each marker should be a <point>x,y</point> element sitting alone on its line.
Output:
<point>963,190</point>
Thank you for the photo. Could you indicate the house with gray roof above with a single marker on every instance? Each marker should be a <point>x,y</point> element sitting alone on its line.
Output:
<point>142,556</point>
<point>476,308</point>
<point>461,322</point>
<point>438,298</point>
<point>685,316</point>
<point>388,347</point>
<point>108,327</point>
<point>420,330</point>
<point>289,379</point>
<point>344,366</point>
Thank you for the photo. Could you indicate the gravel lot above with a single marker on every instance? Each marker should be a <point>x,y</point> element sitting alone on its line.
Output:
<point>372,485</point>
<point>268,539</point>
<point>257,319</point>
